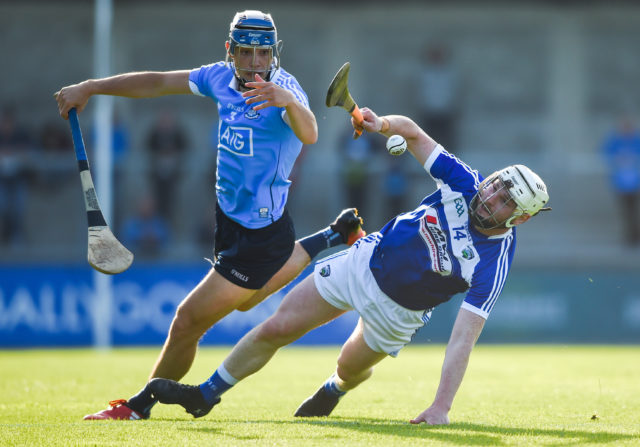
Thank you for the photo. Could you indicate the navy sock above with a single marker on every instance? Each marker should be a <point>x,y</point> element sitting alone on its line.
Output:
<point>321,240</point>
<point>217,384</point>
<point>142,402</point>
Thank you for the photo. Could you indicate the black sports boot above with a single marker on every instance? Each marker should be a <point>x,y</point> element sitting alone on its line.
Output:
<point>188,396</point>
<point>320,404</point>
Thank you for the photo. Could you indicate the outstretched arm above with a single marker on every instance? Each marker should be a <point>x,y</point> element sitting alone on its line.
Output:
<point>418,142</point>
<point>146,84</point>
<point>464,335</point>
<point>301,120</point>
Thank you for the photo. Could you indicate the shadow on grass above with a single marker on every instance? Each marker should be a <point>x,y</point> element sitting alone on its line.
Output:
<point>465,433</point>
<point>457,433</point>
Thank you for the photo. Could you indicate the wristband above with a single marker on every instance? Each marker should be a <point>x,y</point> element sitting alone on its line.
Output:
<point>384,121</point>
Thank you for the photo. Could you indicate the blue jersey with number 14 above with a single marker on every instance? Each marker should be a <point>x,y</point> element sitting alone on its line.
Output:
<point>256,149</point>
<point>427,255</point>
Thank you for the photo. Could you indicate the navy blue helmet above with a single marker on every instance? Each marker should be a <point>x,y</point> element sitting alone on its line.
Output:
<point>253,30</point>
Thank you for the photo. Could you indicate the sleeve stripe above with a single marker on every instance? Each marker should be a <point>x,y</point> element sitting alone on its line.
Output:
<point>501,275</point>
<point>194,88</point>
<point>466,167</point>
<point>432,158</point>
<point>287,83</point>
<point>473,309</point>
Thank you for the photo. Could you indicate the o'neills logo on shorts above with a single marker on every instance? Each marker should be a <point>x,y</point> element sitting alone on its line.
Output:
<point>240,276</point>
<point>436,241</point>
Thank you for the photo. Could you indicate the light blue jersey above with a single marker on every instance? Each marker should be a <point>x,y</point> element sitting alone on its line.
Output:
<point>256,149</point>
<point>425,256</point>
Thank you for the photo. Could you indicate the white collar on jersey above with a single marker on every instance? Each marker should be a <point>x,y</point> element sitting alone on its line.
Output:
<point>501,236</point>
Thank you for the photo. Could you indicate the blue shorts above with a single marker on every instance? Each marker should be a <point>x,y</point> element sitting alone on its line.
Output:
<point>249,258</point>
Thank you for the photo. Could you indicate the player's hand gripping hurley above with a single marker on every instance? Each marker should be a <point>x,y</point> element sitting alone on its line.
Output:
<point>105,253</point>
<point>338,95</point>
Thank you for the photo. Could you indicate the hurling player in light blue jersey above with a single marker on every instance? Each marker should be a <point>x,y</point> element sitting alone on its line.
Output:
<point>459,239</point>
<point>264,119</point>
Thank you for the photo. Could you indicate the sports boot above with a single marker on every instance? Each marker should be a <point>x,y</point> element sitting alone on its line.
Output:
<point>188,396</point>
<point>320,404</point>
<point>349,225</point>
<point>117,410</point>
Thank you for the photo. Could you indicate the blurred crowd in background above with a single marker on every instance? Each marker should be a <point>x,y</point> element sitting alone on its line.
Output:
<point>162,161</point>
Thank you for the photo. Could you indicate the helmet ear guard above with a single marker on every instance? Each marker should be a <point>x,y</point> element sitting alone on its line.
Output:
<point>517,213</point>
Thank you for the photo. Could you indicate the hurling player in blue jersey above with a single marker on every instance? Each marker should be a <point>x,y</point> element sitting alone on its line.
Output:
<point>264,121</point>
<point>461,238</point>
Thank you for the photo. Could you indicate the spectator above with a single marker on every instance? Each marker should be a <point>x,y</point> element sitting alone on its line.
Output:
<point>622,151</point>
<point>14,170</point>
<point>54,160</point>
<point>146,233</point>
<point>440,90</point>
<point>396,188</point>
<point>167,142</point>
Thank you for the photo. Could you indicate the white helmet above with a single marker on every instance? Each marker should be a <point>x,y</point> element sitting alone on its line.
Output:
<point>526,188</point>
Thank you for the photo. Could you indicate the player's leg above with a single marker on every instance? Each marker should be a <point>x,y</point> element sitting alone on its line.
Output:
<point>302,310</point>
<point>355,365</point>
<point>245,261</point>
<point>296,263</point>
<point>217,295</point>
<point>345,229</point>
<point>212,299</point>
<point>384,327</point>
<point>356,360</point>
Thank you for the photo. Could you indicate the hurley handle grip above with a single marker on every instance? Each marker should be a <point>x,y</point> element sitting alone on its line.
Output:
<point>357,115</point>
<point>76,134</point>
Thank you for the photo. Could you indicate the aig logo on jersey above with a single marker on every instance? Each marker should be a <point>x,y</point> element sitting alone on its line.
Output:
<point>436,241</point>
<point>238,140</point>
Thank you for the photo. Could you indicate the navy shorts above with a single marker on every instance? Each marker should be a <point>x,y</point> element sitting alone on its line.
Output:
<point>249,258</point>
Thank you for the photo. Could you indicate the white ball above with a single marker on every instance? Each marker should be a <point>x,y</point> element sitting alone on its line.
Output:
<point>396,145</point>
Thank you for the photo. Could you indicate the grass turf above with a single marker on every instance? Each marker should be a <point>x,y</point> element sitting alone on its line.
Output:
<point>511,395</point>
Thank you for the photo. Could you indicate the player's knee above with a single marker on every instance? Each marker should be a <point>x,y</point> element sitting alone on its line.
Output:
<point>352,374</point>
<point>185,323</point>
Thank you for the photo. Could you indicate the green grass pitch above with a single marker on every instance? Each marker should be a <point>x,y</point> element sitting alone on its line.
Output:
<point>512,395</point>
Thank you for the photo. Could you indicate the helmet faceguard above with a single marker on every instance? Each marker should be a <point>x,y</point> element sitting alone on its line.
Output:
<point>253,45</point>
<point>506,195</point>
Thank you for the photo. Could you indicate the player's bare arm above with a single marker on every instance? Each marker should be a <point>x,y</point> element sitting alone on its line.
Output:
<point>419,143</point>
<point>301,120</point>
<point>464,335</point>
<point>146,84</point>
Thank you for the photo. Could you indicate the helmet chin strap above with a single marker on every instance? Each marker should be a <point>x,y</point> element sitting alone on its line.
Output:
<point>242,82</point>
<point>508,223</point>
